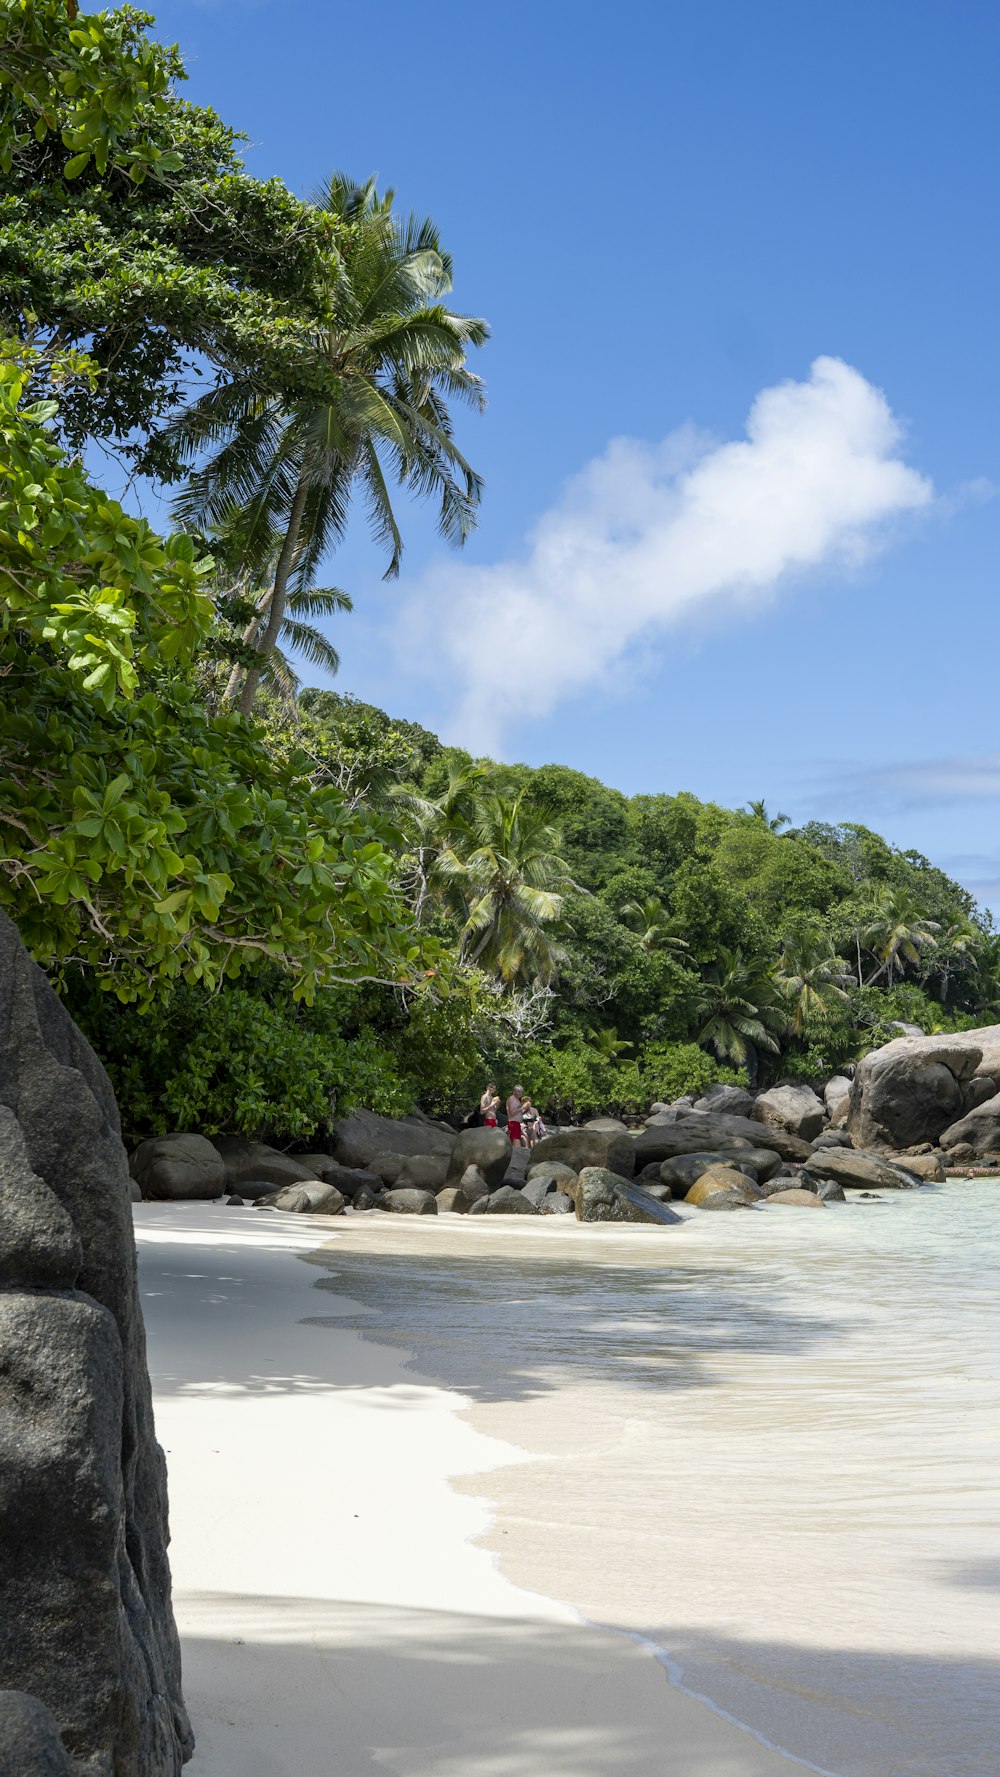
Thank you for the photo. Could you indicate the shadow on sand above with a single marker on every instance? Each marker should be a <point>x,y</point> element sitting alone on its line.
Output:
<point>297,1688</point>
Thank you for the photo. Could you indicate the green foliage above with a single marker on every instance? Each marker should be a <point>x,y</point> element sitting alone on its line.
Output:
<point>238,1062</point>
<point>82,78</point>
<point>362,749</point>
<point>138,834</point>
<point>577,1080</point>
<point>674,1070</point>
<point>150,245</point>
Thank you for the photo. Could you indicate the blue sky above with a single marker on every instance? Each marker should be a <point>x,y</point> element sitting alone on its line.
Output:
<point>665,211</point>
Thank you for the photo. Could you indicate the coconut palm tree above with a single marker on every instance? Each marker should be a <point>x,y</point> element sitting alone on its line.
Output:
<point>398,356</point>
<point>608,1045</point>
<point>897,930</point>
<point>773,823</point>
<point>810,975</point>
<point>433,825</point>
<point>503,865</point>
<point>956,950</point>
<point>240,587</point>
<point>740,1008</point>
<point>651,920</point>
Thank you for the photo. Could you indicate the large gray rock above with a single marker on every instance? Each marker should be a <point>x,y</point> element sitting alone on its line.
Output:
<point>556,1203</point>
<point>181,1167</point>
<point>472,1185</point>
<point>793,1181</point>
<point>977,1133</point>
<point>387,1166</point>
<point>858,1172</point>
<point>408,1202</point>
<point>253,1189</point>
<point>725,1101</point>
<point>684,1170</point>
<point>556,1171</point>
<point>607,1125</point>
<point>310,1199</point>
<point>828,1191</point>
<point>912,1089</point>
<point>86,1625</point>
<point>926,1166</point>
<point>698,1133</point>
<point>724,1181</point>
<point>489,1149</point>
<point>837,1098</point>
<point>795,1108</point>
<point>578,1148</point>
<point>30,1743</point>
<point>979,1089</point>
<point>428,1172</point>
<point>508,1202</point>
<point>796,1196</point>
<point>245,1159</point>
<point>538,1188</point>
<point>600,1195</point>
<point>363,1135</point>
<point>348,1180</point>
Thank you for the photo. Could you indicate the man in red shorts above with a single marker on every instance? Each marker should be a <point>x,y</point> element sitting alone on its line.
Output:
<point>514,1104</point>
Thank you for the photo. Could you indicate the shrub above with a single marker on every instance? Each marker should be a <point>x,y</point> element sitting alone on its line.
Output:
<point>672,1070</point>
<point>239,1062</point>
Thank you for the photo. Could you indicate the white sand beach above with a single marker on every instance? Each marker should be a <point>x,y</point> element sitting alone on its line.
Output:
<point>338,1611</point>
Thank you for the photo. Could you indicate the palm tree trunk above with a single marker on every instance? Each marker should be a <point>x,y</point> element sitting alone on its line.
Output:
<point>233,682</point>
<point>279,593</point>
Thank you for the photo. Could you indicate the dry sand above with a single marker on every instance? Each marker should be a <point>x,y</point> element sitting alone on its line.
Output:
<point>337,1611</point>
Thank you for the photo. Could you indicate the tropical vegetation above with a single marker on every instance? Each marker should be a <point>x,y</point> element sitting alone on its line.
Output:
<point>265,903</point>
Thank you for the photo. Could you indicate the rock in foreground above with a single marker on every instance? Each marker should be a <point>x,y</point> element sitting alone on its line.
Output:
<point>86,1625</point>
<point>602,1196</point>
<point>858,1172</point>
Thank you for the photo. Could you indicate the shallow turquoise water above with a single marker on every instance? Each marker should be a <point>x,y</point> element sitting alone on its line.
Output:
<point>769,1443</point>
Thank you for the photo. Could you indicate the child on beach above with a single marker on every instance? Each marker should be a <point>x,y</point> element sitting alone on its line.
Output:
<point>489,1104</point>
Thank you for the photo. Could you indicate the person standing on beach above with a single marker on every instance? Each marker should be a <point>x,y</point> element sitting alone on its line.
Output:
<point>489,1104</point>
<point>532,1124</point>
<point>515,1105</point>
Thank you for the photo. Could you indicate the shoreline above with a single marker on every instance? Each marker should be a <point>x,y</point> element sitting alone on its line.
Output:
<point>387,1640</point>
<point>708,1411</point>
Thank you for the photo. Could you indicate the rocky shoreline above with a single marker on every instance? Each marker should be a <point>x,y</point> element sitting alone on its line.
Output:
<point>728,1150</point>
<point>915,1109</point>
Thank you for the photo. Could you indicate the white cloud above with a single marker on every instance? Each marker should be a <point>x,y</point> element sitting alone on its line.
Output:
<point>647,536</point>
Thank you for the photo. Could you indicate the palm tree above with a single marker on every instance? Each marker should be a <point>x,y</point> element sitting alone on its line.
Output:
<point>897,930</point>
<point>956,949</point>
<point>397,355</point>
<point>652,920</point>
<point>741,1009</point>
<point>773,823</point>
<point>608,1045</point>
<point>810,975</point>
<point>434,825</point>
<point>503,864</point>
<point>240,588</point>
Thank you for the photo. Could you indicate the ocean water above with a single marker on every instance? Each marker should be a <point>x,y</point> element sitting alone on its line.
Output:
<point>767,1444</point>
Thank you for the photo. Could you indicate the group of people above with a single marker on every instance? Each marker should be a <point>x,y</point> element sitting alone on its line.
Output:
<point>524,1120</point>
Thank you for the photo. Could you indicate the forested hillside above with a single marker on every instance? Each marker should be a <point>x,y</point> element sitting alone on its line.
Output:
<point>260,901</point>
<point>610,949</point>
